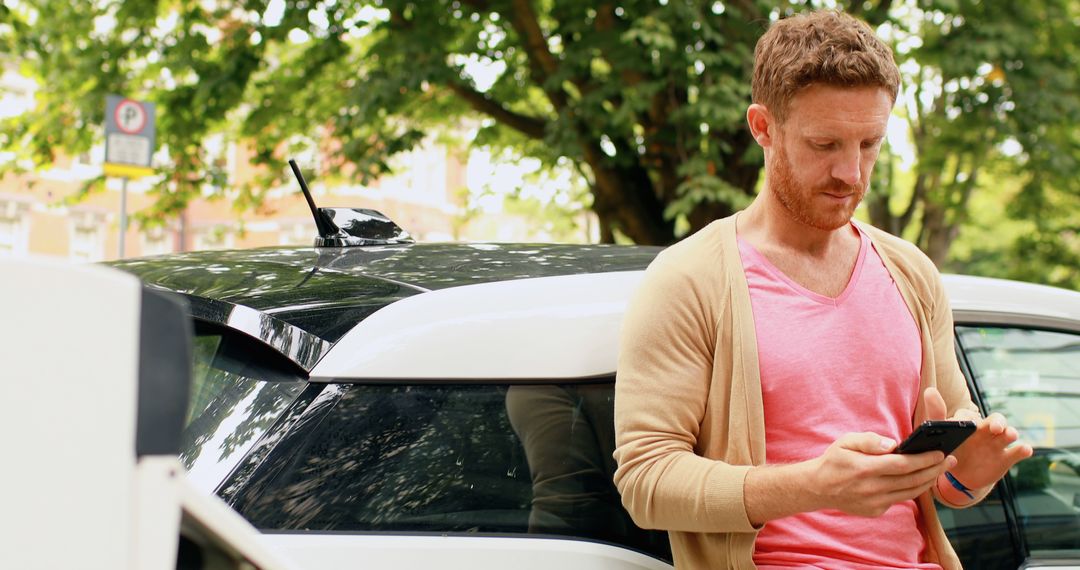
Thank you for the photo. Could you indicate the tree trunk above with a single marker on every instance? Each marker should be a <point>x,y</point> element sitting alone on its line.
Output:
<point>624,199</point>
<point>937,234</point>
<point>877,204</point>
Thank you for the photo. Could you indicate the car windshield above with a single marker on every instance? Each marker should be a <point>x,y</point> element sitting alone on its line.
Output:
<point>234,399</point>
<point>1033,378</point>
<point>450,458</point>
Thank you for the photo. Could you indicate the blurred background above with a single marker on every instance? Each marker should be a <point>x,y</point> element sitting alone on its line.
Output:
<point>518,120</point>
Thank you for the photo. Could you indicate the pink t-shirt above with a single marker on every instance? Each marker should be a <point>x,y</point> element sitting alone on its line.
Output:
<point>831,367</point>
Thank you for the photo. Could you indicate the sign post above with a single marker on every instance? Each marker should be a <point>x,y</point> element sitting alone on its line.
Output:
<point>129,146</point>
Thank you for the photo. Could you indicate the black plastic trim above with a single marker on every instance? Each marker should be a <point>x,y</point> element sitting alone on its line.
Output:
<point>300,347</point>
<point>165,333</point>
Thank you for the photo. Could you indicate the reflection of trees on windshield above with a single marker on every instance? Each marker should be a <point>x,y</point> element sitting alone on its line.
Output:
<point>404,457</point>
<point>227,407</point>
<point>300,347</point>
<point>1032,376</point>
<point>203,425</point>
<point>396,456</point>
<point>263,410</point>
<point>446,458</point>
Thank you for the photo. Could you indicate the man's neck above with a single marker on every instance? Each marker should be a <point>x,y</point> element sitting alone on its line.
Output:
<point>767,225</point>
<point>819,260</point>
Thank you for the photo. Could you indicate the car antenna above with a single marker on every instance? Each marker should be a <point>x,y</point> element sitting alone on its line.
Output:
<point>350,227</point>
<point>327,229</point>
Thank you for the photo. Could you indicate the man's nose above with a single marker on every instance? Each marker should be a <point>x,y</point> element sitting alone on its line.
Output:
<point>847,167</point>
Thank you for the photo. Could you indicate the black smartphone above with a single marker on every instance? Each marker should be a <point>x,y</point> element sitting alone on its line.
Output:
<point>937,435</point>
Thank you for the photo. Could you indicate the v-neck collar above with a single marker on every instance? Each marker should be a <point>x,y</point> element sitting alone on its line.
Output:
<point>853,279</point>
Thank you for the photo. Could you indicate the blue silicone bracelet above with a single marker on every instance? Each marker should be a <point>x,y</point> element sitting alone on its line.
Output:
<point>959,486</point>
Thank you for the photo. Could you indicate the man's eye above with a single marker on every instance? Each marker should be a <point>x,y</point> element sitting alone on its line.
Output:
<point>871,144</point>
<point>823,146</point>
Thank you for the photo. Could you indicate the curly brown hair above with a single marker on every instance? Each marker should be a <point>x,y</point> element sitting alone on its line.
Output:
<point>824,47</point>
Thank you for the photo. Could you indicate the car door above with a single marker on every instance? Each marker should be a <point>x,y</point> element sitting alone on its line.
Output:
<point>1029,370</point>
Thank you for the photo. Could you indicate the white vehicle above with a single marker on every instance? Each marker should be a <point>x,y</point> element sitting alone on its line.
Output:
<point>409,406</point>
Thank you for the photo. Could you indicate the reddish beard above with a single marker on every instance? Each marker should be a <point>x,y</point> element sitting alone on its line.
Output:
<point>808,206</point>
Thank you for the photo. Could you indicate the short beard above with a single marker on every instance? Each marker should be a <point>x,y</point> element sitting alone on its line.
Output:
<point>798,201</point>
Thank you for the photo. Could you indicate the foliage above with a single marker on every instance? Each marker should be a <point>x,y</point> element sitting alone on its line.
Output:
<point>645,97</point>
<point>990,97</point>
<point>631,92</point>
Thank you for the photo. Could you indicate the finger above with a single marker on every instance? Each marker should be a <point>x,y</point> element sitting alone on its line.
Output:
<point>921,476</point>
<point>901,495</point>
<point>997,423</point>
<point>867,442</point>
<point>1018,453</point>
<point>907,464</point>
<point>966,414</point>
<point>935,404</point>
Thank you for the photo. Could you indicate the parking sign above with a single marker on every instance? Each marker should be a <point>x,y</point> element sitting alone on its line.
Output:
<point>129,137</point>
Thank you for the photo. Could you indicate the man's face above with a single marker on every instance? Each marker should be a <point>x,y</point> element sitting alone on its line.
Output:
<point>819,164</point>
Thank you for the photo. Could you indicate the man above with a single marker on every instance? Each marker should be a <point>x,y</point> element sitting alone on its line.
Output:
<point>771,362</point>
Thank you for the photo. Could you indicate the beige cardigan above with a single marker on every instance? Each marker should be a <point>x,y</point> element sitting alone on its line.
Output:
<point>688,412</point>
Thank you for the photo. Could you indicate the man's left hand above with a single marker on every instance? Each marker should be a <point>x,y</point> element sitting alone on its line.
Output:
<point>989,453</point>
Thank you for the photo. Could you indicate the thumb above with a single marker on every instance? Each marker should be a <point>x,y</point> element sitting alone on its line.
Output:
<point>867,442</point>
<point>935,404</point>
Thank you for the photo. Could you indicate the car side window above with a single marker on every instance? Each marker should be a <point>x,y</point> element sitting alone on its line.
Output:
<point>464,458</point>
<point>230,407</point>
<point>1033,378</point>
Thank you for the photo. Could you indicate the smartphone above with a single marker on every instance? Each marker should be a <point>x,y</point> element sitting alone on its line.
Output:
<point>937,435</point>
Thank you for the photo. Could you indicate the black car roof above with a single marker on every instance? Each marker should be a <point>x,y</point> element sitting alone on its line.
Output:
<point>326,291</point>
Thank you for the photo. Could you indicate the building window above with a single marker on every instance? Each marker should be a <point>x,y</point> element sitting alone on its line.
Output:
<point>87,237</point>
<point>14,229</point>
<point>157,241</point>
<point>213,238</point>
<point>297,234</point>
<point>9,231</point>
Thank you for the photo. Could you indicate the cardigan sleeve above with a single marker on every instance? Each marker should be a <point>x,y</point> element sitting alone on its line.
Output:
<point>950,380</point>
<point>662,385</point>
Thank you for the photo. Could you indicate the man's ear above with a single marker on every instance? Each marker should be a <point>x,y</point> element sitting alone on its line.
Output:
<point>762,124</point>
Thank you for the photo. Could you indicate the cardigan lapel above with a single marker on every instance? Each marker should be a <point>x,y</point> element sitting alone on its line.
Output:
<point>744,341</point>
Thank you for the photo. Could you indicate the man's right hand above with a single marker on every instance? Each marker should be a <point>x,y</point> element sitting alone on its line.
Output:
<point>858,474</point>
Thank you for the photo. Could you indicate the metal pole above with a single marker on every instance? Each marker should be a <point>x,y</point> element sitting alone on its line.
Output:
<point>123,215</point>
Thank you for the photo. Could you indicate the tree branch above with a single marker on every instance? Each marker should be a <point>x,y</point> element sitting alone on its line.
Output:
<point>524,20</point>
<point>916,196</point>
<point>542,63</point>
<point>529,126</point>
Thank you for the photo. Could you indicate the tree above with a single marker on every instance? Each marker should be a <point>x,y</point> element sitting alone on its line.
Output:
<point>645,97</point>
<point>989,86</point>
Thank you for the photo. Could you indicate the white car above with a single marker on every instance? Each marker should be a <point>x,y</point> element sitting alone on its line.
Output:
<point>409,406</point>
<point>402,405</point>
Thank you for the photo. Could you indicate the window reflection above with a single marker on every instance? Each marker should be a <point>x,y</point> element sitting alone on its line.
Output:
<point>227,413</point>
<point>453,458</point>
<point>568,436</point>
<point>1033,378</point>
